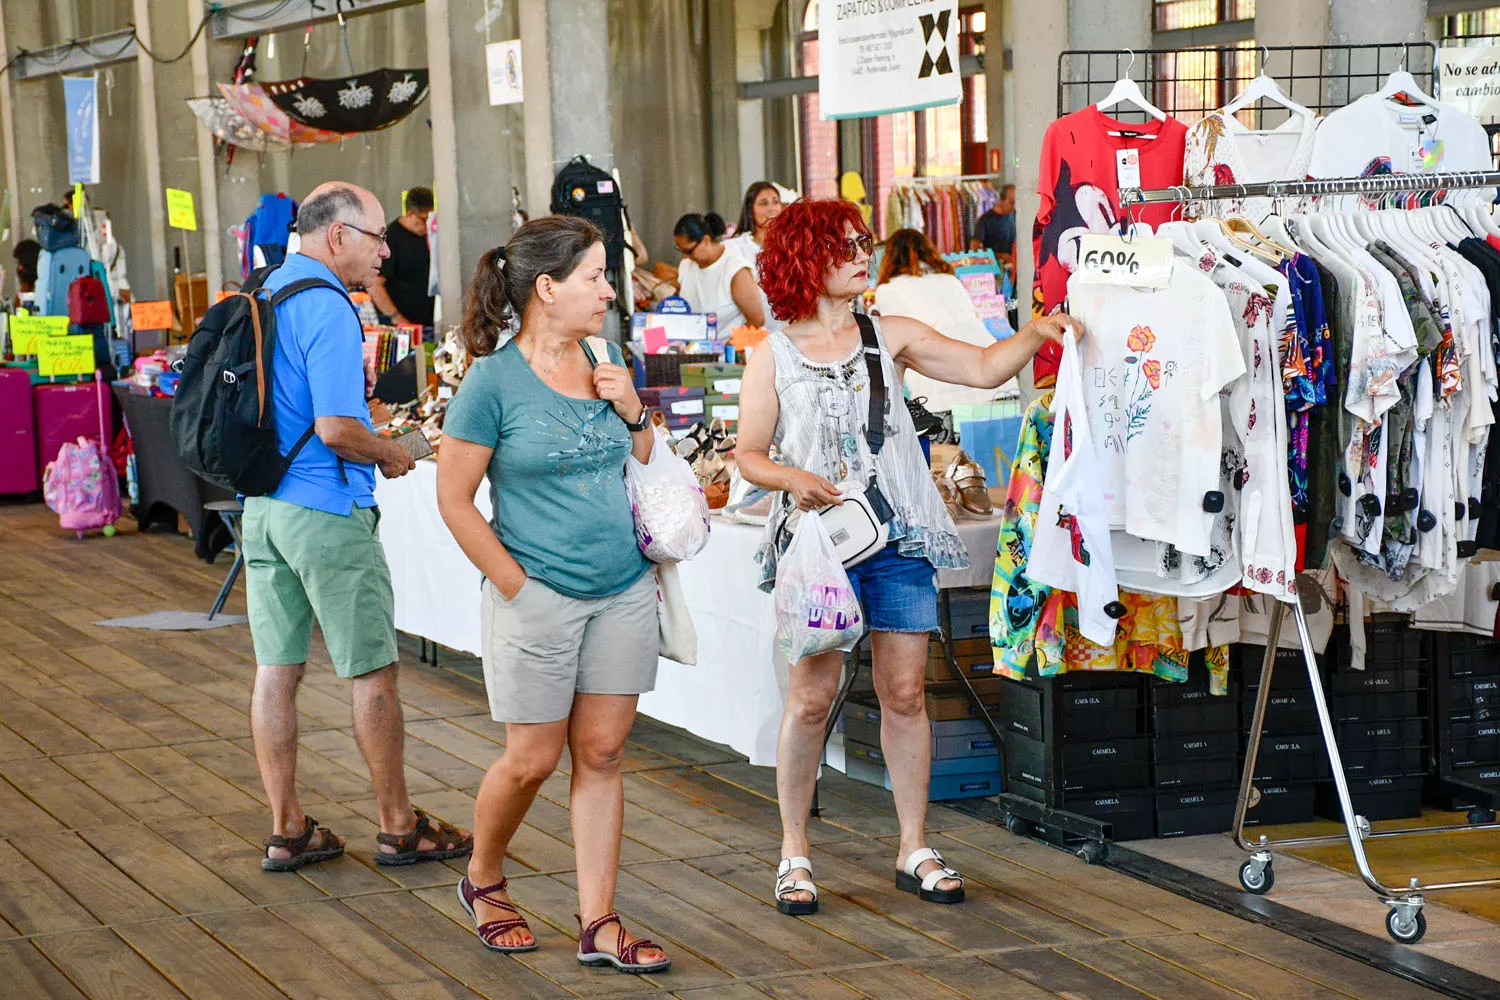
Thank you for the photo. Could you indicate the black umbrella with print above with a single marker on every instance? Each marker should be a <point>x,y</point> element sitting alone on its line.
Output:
<point>364,102</point>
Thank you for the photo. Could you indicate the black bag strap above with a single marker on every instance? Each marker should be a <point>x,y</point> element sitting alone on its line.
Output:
<point>305,284</point>
<point>875,429</point>
<point>291,456</point>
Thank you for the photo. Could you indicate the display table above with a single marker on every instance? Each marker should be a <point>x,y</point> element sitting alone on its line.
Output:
<point>166,486</point>
<point>734,693</point>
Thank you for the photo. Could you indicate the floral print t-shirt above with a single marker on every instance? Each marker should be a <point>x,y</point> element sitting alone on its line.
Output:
<point>1154,361</point>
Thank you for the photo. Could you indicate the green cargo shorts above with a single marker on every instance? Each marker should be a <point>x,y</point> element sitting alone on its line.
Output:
<point>301,563</point>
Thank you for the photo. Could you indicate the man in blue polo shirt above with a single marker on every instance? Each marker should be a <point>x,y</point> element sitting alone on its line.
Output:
<point>312,547</point>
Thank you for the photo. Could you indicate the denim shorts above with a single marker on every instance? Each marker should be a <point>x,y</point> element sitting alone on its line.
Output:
<point>897,593</point>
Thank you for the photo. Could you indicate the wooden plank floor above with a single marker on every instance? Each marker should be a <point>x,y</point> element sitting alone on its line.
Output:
<point>130,810</point>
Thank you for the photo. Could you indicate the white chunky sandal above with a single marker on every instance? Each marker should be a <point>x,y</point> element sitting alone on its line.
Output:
<point>926,887</point>
<point>785,887</point>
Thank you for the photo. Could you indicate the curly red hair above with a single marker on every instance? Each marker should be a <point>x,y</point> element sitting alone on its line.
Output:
<point>803,243</point>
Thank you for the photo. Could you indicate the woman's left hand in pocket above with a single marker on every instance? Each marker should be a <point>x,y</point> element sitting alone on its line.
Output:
<point>614,384</point>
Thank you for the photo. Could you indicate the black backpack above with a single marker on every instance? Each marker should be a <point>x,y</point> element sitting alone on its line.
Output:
<point>584,190</point>
<point>222,415</point>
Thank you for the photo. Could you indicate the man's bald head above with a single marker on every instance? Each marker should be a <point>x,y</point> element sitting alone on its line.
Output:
<point>334,201</point>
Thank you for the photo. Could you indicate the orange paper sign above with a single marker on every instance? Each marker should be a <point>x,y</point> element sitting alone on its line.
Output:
<point>151,315</point>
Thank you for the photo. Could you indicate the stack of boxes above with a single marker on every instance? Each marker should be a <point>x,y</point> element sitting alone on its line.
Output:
<point>1195,755</point>
<point>1291,759</point>
<point>965,759</point>
<point>1380,718</point>
<point>1468,711</point>
<point>721,390</point>
<point>682,406</point>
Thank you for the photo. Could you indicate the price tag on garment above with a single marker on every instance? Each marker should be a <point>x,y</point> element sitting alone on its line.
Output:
<point>65,355</point>
<point>27,332</point>
<point>1141,262</point>
<point>1128,168</point>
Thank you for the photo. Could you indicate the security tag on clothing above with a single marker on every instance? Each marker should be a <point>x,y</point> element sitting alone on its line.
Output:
<point>1141,262</point>
<point>1128,168</point>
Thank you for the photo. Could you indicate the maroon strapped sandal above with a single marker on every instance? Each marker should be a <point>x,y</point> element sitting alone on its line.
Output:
<point>490,931</point>
<point>450,840</point>
<point>626,955</point>
<point>302,848</point>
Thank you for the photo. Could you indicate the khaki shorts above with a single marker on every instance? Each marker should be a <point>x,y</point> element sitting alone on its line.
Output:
<point>302,564</point>
<point>541,647</point>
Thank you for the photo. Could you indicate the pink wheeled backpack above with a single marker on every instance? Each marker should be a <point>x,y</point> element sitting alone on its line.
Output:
<point>82,485</point>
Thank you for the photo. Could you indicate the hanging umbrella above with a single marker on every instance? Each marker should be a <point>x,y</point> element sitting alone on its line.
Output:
<point>250,100</point>
<point>366,102</point>
<point>226,123</point>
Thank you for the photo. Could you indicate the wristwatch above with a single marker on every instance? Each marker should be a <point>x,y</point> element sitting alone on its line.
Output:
<point>642,423</point>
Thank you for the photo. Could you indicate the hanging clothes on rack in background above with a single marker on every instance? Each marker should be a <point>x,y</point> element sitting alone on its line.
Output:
<point>947,210</point>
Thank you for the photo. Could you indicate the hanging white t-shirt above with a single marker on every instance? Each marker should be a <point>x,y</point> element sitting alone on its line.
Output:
<point>708,289</point>
<point>942,302</point>
<point>1376,136</point>
<point>1153,362</point>
<point>1221,150</point>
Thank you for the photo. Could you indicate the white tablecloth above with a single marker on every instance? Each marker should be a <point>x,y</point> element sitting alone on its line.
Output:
<point>732,696</point>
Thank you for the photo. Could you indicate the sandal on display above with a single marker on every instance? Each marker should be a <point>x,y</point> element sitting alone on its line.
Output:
<point>450,841</point>
<point>949,494</point>
<point>303,848</point>
<point>973,492</point>
<point>490,931</point>
<point>785,886</point>
<point>625,957</point>
<point>925,886</point>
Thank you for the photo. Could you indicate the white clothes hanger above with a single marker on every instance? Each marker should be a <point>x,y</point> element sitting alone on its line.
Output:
<point>1402,82</point>
<point>1263,88</point>
<point>1126,89</point>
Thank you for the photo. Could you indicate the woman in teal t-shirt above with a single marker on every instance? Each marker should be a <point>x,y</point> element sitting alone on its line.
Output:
<point>569,606</point>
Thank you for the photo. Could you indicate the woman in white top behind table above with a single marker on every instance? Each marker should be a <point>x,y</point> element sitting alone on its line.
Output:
<point>761,206</point>
<point>714,278</point>
<point>916,282</point>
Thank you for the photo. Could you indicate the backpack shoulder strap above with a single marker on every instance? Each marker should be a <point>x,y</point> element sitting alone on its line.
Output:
<point>875,429</point>
<point>306,284</point>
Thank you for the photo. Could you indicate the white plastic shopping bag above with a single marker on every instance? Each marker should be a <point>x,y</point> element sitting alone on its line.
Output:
<point>671,513</point>
<point>816,610</point>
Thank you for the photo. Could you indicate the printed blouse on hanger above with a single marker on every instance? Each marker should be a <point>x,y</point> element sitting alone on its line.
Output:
<point>1221,150</point>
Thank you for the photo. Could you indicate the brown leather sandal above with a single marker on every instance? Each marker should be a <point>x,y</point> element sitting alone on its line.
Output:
<point>303,851</point>
<point>450,840</point>
<point>625,956</point>
<point>967,477</point>
<point>469,894</point>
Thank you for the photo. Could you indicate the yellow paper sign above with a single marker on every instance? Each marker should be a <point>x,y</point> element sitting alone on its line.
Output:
<point>72,355</point>
<point>27,332</point>
<point>151,315</point>
<point>180,211</point>
<point>77,201</point>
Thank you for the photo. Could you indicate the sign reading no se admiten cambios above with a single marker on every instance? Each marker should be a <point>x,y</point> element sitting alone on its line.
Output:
<point>876,57</point>
<point>1470,79</point>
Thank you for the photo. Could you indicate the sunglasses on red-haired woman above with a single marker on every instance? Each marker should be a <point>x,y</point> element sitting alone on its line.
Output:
<point>854,244</point>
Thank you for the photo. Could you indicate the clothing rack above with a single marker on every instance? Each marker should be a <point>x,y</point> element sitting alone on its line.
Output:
<point>947,179</point>
<point>1384,184</point>
<point>1404,920</point>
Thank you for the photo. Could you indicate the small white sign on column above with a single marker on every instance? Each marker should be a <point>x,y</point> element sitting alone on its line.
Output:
<point>502,61</point>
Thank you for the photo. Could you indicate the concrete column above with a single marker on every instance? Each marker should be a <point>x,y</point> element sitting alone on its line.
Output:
<point>1103,25</point>
<point>1292,22</point>
<point>578,74</point>
<point>41,146</point>
<point>1352,22</point>
<point>723,109</point>
<point>1036,34</point>
<point>477,150</point>
<point>995,82</point>
<point>536,80</point>
<point>13,229</point>
<point>208,177</point>
<point>151,155</point>
<point>752,24</point>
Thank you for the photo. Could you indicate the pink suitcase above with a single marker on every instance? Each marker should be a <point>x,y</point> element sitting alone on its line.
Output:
<point>18,455</point>
<point>66,413</point>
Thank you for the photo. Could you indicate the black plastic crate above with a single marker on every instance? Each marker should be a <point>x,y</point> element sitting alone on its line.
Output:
<point>1168,748</point>
<point>1385,762</point>
<point>1374,798</point>
<point>1212,713</point>
<point>1471,655</point>
<point>1194,813</point>
<point>1471,697</point>
<point>1397,733</point>
<point>1289,674</point>
<point>1078,767</point>
<point>1477,774</point>
<point>1070,706</point>
<point>1287,711</point>
<point>969,612</point>
<point>1300,757</point>
<point>1468,742</point>
<point>1378,679</point>
<point>1131,814</point>
<point>1388,641</point>
<point>1203,772</point>
<point>1283,802</point>
<point>1377,706</point>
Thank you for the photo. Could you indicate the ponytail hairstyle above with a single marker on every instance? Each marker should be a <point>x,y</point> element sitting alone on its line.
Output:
<point>909,251</point>
<point>505,280</point>
<point>747,210</point>
<point>695,226</point>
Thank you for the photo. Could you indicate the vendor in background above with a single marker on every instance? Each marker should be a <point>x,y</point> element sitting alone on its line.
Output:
<point>26,254</point>
<point>916,282</point>
<point>809,393</point>
<point>762,204</point>
<point>997,229</point>
<point>713,277</point>
<point>400,293</point>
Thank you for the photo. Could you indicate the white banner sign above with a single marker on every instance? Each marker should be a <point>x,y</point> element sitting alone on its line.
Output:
<point>502,62</point>
<point>876,57</point>
<point>1470,79</point>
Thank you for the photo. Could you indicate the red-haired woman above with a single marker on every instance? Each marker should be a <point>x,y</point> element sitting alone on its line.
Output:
<point>807,390</point>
